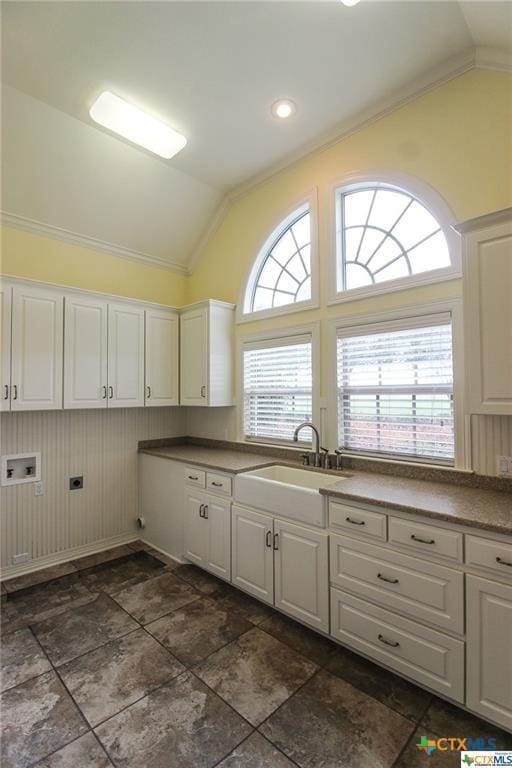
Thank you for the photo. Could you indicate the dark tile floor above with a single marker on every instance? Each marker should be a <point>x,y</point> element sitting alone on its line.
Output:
<point>126,659</point>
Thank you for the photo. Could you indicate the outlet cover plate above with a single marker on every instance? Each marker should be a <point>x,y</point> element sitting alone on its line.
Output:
<point>76,483</point>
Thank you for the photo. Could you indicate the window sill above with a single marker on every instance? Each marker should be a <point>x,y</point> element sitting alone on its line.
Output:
<point>288,309</point>
<point>394,286</point>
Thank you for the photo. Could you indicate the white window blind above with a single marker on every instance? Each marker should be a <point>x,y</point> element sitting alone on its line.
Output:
<point>395,391</point>
<point>277,381</point>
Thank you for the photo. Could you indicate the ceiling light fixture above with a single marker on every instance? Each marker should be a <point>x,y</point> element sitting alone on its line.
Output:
<point>133,124</point>
<point>350,3</point>
<point>283,108</point>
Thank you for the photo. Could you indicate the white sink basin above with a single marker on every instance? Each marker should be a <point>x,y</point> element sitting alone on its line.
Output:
<point>286,491</point>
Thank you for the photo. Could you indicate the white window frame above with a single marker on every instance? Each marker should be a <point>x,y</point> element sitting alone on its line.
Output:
<point>281,223</point>
<point>425,195</point>
<point>270,336</point>
<point>404,317</point>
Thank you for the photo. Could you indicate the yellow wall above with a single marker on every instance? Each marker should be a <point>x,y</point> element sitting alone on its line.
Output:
<point>42,258</point>
<point>456,138</point>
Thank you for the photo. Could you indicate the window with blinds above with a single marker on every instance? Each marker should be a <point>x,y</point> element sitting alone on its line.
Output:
<point>395,391</point>
<point>277,388</point>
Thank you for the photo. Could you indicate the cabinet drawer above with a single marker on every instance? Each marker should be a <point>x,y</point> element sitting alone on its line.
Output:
<point>422,654</point>
<point>357,521</point>
<point>195,477</point>
<point>426,591</point>
<point>492,555</point>
<point>218,483</point>
<point>426,538</point>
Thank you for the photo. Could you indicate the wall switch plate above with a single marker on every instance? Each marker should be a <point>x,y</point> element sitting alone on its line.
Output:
<point>504,466</point>
<point>21,558</point>
<point>75,483</point>
<point>38,489</point>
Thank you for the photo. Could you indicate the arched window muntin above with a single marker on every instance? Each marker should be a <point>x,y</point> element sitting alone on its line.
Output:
<point>373,279</point>
<point>297,283</point>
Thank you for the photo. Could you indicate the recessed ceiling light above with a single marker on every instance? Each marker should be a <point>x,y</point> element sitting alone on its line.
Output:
<point>350,3</point>
<point>135,125</point>
<point>283,108</point>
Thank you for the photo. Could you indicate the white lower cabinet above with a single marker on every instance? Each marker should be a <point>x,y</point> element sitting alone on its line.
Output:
<point>282,564</point>
<point>301,560</point>
<point>489,649</point>
<point>420,653</point>
<point>207,533</point>
<point>252,554</point>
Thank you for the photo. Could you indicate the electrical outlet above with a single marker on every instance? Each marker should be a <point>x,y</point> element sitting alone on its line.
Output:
<point>504,466</point>
<point>38,489</point>
<point>75,483</point>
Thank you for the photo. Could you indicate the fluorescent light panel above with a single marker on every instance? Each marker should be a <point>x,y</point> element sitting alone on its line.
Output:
<point>133,124</point>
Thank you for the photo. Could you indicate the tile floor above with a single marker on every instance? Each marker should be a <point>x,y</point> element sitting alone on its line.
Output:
<point>127,659</point>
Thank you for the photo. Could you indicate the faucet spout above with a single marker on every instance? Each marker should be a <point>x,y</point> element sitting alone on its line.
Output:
<point>313,429</point>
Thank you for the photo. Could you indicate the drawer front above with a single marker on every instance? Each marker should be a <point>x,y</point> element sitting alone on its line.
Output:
<point>354,520</point>
<point>426,538</point>
<point>422,654</point>
<point>492,555</point>
<point>195,477</point>
<point>218,483</point>
<point>417,588</point>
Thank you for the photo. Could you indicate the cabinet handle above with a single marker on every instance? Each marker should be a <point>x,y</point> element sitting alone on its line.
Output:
<point>111,392</point>
<point>355,522</point>
<point>148,392</point>
<point>193,477</point>
<point>104,396</point>
<point>276,541</point>
<point>6,390</point>
<point>503,562</point>
<point>203,391</point>
<point>388,642</point>
<point>422,541</point>
<point>217,485</point>
<point>205,512</point>
<point>201,510</point>
<point>268,539</point>
<point>389,581</point>
<point>15,396</point>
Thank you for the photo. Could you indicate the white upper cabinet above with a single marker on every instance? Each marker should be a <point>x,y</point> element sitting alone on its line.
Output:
<point>85,352</point>
<point>36,355</point>
<point>5,340</point>
<point>488,312</point>
<point>162,357</point>
<point>125,356</point>
<point>206,344</point>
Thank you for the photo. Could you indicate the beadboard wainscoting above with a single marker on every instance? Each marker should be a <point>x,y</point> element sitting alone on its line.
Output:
<point>101,445</point>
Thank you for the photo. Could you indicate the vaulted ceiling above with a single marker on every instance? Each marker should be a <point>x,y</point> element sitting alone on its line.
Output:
<point>211,70</point>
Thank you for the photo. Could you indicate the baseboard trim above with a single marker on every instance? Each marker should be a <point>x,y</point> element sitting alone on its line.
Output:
<point>179,560</point>
<point>67,555</point>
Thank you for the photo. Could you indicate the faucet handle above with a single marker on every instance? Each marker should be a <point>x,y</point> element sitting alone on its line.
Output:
<point>325,450</point>
<point>305,459</point>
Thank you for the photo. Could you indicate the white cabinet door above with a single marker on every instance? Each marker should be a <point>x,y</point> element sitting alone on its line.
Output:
<point>218,516</point>
<point>37,336</point>
<point>489,649</point>
<point>194,357</point>
<point>125,356</point>
<point>302,574</point>
<point>252,556</point>
<point>85,353</point>
<point>162,360</point>
<point>5,352</point>
<point>196,529</point>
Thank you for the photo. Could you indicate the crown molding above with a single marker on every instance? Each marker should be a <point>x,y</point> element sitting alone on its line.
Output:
<point>489,58</point>
<point>486,220</point>
<point>57,233</point>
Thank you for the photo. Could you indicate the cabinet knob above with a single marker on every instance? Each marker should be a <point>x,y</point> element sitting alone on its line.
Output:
<point>388,642</point>
<point>15,388</point>
<point>355,522</point>
<point>111,392</point>
<point>501,561</point>
<point>6,391</point>
<point>268,539</point>
<point>203,391</point>
<point>385,578</point>
<point>104,396</point>
<point>205,512</point>
<point>422,541</point>
<point>148,391</point>
<point>276,541</point>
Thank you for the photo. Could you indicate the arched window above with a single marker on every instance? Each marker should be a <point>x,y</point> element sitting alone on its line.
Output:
<point>384,234</point>
<point>281,274</point>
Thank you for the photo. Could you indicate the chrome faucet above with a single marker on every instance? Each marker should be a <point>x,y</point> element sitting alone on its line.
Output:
<point>317,439</point>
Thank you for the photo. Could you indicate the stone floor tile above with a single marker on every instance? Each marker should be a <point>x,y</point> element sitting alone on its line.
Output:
<point>155,597</point>
<point>110,678</point>
<point>119,574</point>
<point>80,630</point>
<point>180,725</point>
<point>85,752</point>
<point>38,717</point>
<point>21,659</point>
<point>201,580</point>
<point>330,723</point>
<point>256,752</point>
<point>39,577</point>
<point>255,674</point>
<point>198,629</point>
<point>307,642</point>
<point>114,553</point>
<point>412,757</point>
<point>390,689</point>
<point>448,720</point>
<point>251,609</point>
